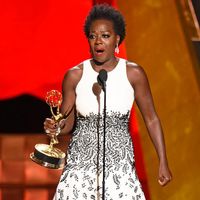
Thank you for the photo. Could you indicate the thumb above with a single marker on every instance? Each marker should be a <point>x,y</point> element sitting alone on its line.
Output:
<point>61,123</point>
<point>161,180</point>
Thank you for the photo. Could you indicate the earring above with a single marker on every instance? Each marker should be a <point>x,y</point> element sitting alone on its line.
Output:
<point>117,49</point>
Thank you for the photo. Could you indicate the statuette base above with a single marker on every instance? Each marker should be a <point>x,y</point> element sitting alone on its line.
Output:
<point>48,156</point>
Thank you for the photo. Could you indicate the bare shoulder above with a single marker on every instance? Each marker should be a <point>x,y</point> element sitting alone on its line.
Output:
<point>73,75</point>
<point>135,72</point>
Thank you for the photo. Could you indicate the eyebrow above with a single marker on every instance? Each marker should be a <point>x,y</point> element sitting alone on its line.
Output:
<point>102,31</point>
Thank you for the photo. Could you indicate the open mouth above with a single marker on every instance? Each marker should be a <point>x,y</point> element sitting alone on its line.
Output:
<point>99,51</point>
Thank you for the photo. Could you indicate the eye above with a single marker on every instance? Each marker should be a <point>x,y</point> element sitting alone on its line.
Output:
<point>92,36</point>
<point>105,35</point>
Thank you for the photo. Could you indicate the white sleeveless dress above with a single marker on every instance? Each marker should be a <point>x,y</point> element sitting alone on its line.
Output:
<point>82,176</point>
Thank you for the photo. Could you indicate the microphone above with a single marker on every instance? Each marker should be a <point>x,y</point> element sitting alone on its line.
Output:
<point>102,78</point>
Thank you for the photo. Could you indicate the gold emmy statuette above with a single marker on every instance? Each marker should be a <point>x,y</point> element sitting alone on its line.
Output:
<point>47,155</point>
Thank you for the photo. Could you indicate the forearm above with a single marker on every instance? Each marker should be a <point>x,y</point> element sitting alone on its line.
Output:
<point>67,125</point>
<point>156,134</point>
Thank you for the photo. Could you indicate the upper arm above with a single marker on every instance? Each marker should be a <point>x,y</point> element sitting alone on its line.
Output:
<point>70,81</point>
<point>143,96</point>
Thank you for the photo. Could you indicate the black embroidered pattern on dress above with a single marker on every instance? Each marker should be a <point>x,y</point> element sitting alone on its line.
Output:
<point>83,172</point>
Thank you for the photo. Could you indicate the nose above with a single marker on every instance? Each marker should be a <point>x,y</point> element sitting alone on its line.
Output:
<point>98,40</point>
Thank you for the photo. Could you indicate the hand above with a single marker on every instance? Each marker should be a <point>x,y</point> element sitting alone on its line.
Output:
<point>165,175</point>
<point>53,128</point>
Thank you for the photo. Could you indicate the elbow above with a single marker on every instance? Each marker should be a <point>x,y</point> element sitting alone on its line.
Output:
<point>152,120</point>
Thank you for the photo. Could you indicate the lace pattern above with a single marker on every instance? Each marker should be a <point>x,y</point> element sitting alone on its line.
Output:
<point>82,176</point>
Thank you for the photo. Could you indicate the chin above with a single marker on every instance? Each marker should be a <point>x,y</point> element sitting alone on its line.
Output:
<point>99,60</point>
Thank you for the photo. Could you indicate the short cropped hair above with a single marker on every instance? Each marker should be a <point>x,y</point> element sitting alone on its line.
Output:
<point>105,11</point>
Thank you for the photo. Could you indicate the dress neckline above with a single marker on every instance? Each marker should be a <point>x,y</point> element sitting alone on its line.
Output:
<point>119,60</point>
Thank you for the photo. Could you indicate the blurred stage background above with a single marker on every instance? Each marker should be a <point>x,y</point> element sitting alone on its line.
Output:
<point>40,40</point>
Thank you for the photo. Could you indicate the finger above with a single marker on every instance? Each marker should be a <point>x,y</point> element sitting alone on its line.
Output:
<point>47,131</point>
<point>163,181</point>
<point>61,124</point>
<point>50,125</point>
<point>50,121</point>
<point>50,130</point>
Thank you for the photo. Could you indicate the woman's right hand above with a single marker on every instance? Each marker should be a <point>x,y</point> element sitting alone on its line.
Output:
<point>51,127</point>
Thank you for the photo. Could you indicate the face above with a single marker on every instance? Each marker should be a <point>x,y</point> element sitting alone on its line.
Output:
<point>102,40</point>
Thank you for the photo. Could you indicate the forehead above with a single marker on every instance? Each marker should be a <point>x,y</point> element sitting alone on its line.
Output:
<point>102,25</point>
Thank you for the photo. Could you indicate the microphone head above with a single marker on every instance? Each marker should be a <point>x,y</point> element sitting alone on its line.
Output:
<point>103,75</point>
<point>102,78</point>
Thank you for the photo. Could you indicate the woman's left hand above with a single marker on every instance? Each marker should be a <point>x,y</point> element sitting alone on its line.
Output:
<point>165,175</point>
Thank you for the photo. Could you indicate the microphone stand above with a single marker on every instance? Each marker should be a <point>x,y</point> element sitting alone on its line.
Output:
<point>104,141</point>
<point>102,77</point>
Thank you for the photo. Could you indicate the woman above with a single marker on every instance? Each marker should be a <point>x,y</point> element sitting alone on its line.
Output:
<point>82,96</point>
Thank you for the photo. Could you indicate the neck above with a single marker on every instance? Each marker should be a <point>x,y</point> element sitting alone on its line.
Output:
<point>107,65</point>
<point>97,62</point>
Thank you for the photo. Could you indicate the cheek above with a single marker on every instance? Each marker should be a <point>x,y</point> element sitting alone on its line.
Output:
<point>112,46</point>
<point>108,43</point>
<point>90,45</point>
